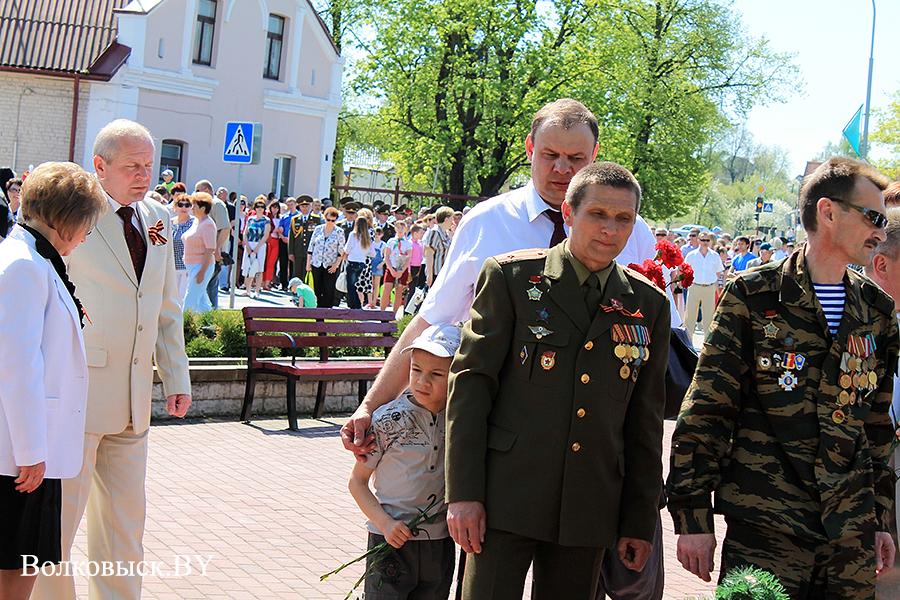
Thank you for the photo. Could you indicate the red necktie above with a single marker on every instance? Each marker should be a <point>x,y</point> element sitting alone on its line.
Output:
<point>136,245</point>
<point>559,232</point>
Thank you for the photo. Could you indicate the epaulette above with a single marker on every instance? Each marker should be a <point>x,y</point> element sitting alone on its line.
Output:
<point>642,278</point>
<point>873,295</point>
<point>527,254</point>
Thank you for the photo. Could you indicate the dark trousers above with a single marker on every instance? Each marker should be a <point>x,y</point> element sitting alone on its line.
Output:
<point>498,573</point>
<point>285,266</point>
<point>354,270</point>
<point>323,283</point>
<point>808,569</point>
<point>418,570</point>
<point>212,288</point>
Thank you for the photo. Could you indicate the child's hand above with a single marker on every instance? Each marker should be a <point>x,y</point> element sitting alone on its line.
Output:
<point>396,533</point>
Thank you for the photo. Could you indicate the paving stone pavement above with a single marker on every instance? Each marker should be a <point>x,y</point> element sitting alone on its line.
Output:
<point>270,511</point>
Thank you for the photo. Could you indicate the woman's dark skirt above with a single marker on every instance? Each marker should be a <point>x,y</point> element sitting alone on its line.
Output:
<point>30,523</point>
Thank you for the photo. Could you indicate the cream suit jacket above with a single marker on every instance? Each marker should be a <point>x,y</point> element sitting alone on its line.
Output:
<point>43,375</point>
<point>131,323</point>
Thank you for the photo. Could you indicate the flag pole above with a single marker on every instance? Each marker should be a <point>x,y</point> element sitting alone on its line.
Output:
<point>865,143</point>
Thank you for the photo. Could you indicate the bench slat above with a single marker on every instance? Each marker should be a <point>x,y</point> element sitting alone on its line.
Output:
<point>280,312</point>
<point>268,341</point>
<point>258,326</point>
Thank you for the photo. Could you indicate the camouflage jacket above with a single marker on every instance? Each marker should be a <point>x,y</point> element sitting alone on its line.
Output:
<point>772,442</point>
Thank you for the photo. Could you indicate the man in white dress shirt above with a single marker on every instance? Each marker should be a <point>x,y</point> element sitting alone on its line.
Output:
<point>885,271</point>
<point>702,294</point>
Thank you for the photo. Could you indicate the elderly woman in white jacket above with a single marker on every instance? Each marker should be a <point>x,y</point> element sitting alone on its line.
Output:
<point>43,372</point>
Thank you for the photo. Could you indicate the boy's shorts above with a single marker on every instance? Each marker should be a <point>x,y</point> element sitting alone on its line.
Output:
<point>425,566</point>
<point>389,277</point>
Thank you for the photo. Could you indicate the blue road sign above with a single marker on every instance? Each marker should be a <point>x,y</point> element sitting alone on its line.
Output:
<point>238,143</point>
<point>768,207</point>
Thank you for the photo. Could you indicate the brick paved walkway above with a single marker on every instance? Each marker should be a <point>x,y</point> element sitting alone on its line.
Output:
<point>271,508</point>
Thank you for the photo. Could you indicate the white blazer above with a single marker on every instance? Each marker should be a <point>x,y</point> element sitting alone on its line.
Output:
<point>43,369</point>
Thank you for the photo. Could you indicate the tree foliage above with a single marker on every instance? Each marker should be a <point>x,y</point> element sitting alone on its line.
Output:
<point>458,82</point>
<point>887,135</point>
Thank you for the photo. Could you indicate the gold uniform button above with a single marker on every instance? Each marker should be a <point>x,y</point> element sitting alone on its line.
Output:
<point>580,413</point>
<point>135,361</point>
<point>585,378</point>
<point>140,327</point>
<point>589,345</point>
<point>576,447</point>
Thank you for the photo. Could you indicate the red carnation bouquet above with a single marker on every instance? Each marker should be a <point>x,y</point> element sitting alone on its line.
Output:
<point>668,255</point>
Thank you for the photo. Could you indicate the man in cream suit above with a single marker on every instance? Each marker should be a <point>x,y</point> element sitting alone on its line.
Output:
<point>125,276</point>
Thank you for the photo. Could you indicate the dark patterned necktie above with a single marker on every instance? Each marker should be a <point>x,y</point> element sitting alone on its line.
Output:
<point>136,245</point>
<point>559,232</point>
<point>591,289</point>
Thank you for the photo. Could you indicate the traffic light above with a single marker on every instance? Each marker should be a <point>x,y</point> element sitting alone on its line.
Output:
<point>759,204</point>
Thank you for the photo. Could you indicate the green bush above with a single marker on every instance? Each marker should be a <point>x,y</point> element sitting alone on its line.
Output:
<point>203,347</point>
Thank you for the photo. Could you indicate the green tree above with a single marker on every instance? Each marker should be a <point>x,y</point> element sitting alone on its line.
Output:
<point>887,135</point>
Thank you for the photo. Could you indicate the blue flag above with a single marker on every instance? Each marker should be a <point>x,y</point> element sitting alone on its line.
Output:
<point>851,131</point>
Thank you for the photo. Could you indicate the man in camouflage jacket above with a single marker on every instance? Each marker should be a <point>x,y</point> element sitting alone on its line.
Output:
<point>788,423</point>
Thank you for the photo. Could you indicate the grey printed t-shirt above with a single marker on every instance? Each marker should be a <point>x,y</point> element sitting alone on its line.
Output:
<point>409,463</point>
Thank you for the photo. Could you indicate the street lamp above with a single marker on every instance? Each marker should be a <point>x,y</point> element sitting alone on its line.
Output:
<point>865,143</point>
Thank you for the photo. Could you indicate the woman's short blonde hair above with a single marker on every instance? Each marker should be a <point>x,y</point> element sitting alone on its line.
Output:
<point>203,200</point>
<point>65,197</point>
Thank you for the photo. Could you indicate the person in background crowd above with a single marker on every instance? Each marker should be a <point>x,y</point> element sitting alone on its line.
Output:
<point>778,248</point>
<point>722,251</point>
<point>199,253</point>
<point>154,195</point>
<point>364,281</point>
<point>397,253</point>
<point>286,264</point>
<point>457,217</point>
<point>14,193</point>
<point>356,250</point>
<point>183,221</point>
<point>168,179</point>
<point>693,243</point>
<point>178,188</point>
<point>789,248</point>
<point>323,257</point>
<point>273,245</point>
<point>702,296</point>
<point>766,253</point>
<point>787,419</point>
<point>316,207</point>
<point>219,215</point>
<point>300,233</point>
<point>242,222</point>
<point>163,192</point>
<point>350,208</point>
<point>416,267</point>
<point>42,356</point>
<point>436,244</point>
<point>382,213</point>
<point>742,254</point>
<point>256,234</point>
<point>125,273</point>
<point>377,265</point>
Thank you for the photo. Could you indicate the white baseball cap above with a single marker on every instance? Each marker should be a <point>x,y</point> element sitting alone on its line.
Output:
<point>441,340</point>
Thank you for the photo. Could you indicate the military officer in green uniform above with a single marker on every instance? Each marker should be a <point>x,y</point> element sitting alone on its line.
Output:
<point>554,419</point>
<point>786,419</point>
<point>302,225</point>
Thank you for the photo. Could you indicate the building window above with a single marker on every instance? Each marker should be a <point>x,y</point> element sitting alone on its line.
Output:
<point>281,176</point>
<point>274,40</point>
<point>206,26</point>
<point>171,157</point>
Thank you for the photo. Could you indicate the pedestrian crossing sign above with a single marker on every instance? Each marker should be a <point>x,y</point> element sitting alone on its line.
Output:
<point>242,143</point>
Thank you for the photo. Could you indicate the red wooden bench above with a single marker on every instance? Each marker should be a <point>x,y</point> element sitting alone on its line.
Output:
<point>314,328</point>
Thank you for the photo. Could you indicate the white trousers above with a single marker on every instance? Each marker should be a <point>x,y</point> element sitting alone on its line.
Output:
<point>698,297</point>
<point>110,490</point>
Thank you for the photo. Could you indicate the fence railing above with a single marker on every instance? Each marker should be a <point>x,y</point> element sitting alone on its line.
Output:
<point>394,196</point>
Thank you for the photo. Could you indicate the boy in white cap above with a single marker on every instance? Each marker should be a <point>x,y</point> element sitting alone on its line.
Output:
<point>407,469</point>
<point>302,293</point>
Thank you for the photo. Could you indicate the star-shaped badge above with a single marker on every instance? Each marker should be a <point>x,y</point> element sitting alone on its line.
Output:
<point>543,315</point>
<point>770,330</point>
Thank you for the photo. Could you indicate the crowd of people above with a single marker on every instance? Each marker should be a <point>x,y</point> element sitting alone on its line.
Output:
<point>527,391</point>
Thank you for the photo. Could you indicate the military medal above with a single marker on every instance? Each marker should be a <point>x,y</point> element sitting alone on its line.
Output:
<point>523,354</point>
<point>548,359</point>
<point>624,372</point>
<point>787,381</point>
<point>769,328</point>
<point>534,294</point>
<point>632,346</point>
<point>765,361</point>
<point>838,416</point>
<point>540,331</point>
<point>543,315</point>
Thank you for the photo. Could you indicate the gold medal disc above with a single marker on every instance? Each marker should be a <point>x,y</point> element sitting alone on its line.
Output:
<point>845,381</point>
<point>619,351</point>
<point>624,372</point>
<point>873,378</point>
<point>635,353</point>
<point>844,398</point>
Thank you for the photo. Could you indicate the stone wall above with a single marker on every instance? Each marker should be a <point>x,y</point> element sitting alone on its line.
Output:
<point>217,388</point>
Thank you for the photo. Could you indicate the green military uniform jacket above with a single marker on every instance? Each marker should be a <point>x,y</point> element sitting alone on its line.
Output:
<point>773,447</point>
<point>298,240</point>
<point>541,428</point>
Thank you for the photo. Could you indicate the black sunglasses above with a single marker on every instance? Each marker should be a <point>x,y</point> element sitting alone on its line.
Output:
<point>876,218</point>
<point>661,235</point>
<point>331,220</point>
<point>183,204</point>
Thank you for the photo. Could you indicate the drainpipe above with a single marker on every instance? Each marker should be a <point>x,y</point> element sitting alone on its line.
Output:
<point>74,119</point>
